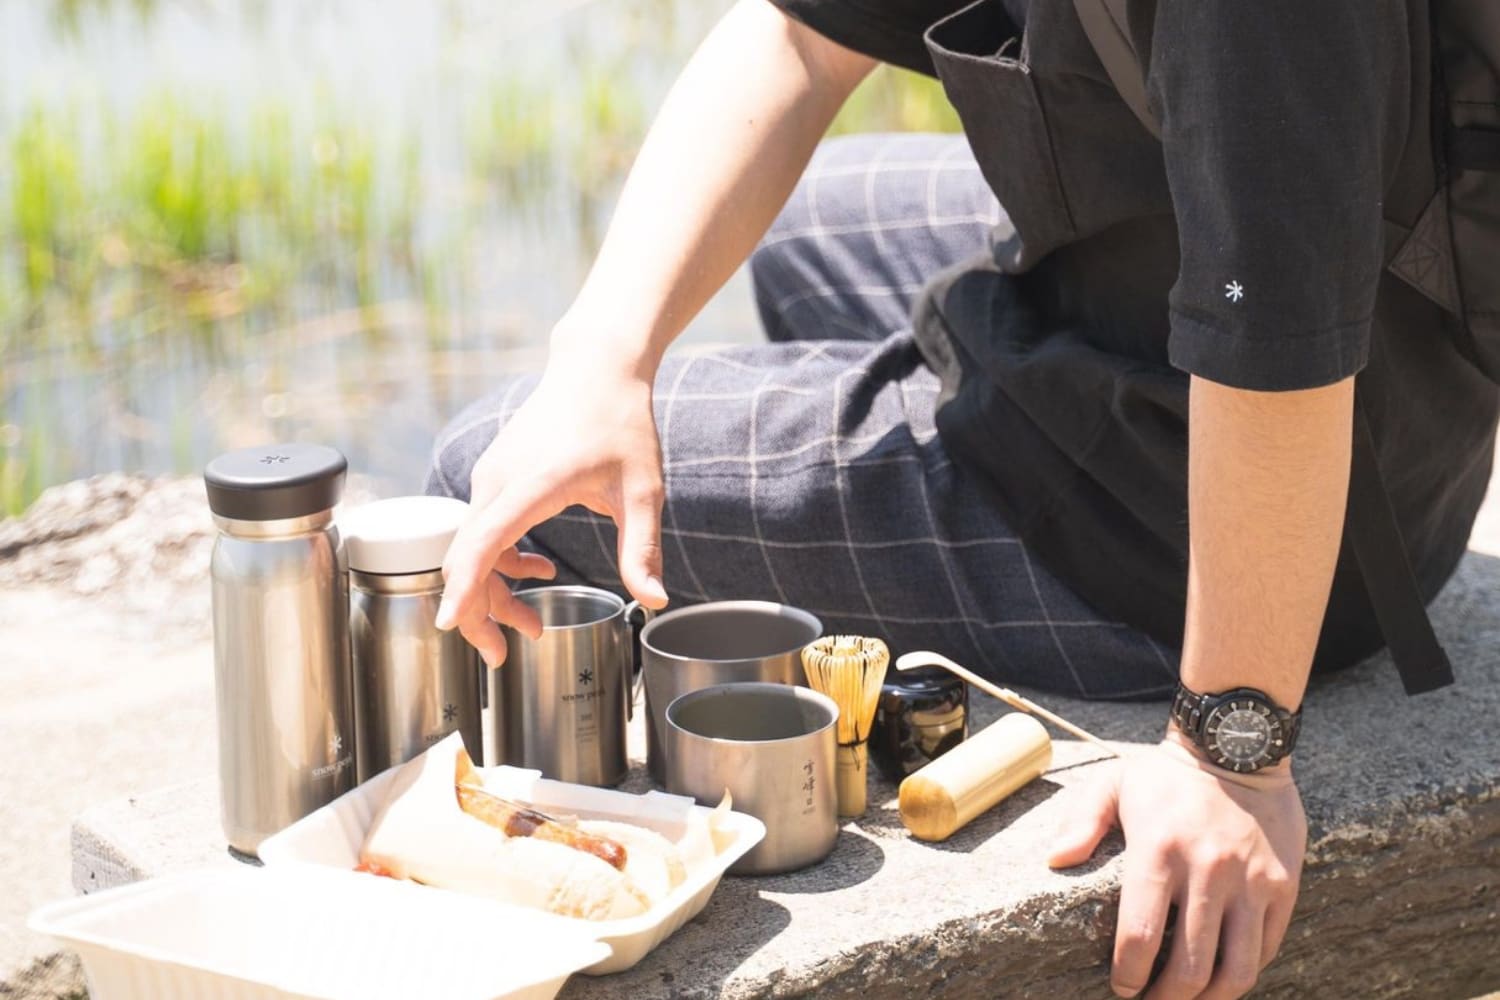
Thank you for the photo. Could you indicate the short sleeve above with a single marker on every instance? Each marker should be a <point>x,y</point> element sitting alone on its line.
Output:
<point>1281,122</point>
<point>888,30</point>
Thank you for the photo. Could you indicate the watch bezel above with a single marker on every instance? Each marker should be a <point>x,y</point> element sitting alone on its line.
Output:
<point>1217,707</point>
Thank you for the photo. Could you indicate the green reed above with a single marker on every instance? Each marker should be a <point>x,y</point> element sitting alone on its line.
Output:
<point>188,226</point>
<point>46,199</point>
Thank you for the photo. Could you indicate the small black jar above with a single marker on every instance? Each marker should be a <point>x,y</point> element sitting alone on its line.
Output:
<point>921,715</point>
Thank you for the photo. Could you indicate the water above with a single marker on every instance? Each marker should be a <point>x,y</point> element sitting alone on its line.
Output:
<point>230,221</point>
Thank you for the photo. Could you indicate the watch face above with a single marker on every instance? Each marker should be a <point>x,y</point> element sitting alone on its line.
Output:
<point>1243,734</point>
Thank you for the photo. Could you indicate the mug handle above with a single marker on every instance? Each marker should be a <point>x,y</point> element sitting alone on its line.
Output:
<point>631,661</point>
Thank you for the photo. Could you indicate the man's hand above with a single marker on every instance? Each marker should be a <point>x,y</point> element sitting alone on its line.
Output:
<point>585,436</point>
<point>1225,849</point>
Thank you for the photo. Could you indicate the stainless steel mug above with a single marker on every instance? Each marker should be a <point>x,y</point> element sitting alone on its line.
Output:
<point>771,746</point>
<point>281,637</point>
<point>413,684</point>
<point>718,643</point>
<point>560,703</point>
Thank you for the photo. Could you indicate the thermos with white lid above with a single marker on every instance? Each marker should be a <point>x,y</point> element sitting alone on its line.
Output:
<point>281,637</point>
<point>413,684</point>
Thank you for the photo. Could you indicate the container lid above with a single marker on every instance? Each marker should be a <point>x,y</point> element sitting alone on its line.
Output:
<point>402,534</point>
<point>925,689</point>
<point>275,481</point>
<point>305,931</point>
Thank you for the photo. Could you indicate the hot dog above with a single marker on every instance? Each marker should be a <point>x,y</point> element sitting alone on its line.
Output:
<point>438,826</point>
<point>516,820</point>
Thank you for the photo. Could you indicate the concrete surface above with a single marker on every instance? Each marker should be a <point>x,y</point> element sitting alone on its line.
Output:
<point>96,707</point>
<point>1399,899</point>
<point>108,702</point>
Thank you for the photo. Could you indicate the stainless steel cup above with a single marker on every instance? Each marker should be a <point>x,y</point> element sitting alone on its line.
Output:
<point>719,643</point>
<point>560,703</point>
<point>771,746</point>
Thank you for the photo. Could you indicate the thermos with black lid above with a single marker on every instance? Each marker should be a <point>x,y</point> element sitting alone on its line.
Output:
<point>413,684</point>
<point>281,637</point>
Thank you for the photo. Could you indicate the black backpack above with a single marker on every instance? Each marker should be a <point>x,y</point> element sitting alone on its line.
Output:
<point>1450,252</point>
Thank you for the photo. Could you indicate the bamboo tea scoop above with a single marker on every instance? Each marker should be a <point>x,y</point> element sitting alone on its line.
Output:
<point>924,658</point>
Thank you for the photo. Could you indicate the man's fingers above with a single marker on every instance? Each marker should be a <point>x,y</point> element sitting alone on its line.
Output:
<point>480,542</point>
<point>1146,889</point>
<point>507,609</point>
<point>520,565</point>
<point>1090,814</point>
<point>1239,952</point>
<point>640,544</point>
<point>1278,918</point>
<point>485,636</point>
<point>1195,943</point>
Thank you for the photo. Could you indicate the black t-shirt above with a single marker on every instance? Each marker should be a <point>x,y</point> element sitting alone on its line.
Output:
<point>1247,246</point>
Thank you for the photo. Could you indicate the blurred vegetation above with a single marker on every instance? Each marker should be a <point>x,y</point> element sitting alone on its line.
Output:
<point>188,222</point>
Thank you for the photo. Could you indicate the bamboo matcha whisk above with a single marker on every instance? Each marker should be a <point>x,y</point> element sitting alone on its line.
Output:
<point>849,669</point>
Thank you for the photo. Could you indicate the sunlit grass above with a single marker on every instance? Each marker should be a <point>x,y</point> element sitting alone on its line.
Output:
<point>46,198</point>
<point>188,225</point>
<point>185,192</point>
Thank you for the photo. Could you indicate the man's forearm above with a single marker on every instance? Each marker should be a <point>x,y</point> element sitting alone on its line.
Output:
<point>1268,476</point>
<point>721,158</point>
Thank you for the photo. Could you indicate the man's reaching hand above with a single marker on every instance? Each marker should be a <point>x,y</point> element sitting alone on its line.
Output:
<point>585,436</point>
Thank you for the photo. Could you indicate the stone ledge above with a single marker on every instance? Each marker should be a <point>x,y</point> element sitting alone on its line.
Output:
<point>1399,893</point>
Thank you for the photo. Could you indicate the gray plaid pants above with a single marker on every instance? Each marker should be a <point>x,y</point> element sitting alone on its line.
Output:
<point>807,470</point>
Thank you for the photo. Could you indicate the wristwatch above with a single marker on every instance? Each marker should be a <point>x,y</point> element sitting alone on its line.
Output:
<point>1241,730</point>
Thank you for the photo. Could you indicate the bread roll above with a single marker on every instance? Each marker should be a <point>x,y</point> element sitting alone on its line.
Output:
<point>652,862</point>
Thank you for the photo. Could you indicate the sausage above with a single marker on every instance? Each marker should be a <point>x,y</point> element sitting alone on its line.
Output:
<point>516,820</point>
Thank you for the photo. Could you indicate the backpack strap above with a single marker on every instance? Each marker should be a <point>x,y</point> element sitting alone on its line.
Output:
<point>1375,536</point>
<point>1107,25</point>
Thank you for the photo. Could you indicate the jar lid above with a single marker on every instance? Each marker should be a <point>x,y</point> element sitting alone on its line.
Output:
<point>274,482</point>
<point>402,534</point>
<point>923,689</point>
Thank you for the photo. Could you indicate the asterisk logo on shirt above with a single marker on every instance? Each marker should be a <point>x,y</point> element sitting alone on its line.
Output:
<point>586,677</point>
<point>450,712</point>
<point>1234,291</point>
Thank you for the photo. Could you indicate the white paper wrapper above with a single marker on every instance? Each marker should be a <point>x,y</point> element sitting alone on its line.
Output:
<point>332,837</point>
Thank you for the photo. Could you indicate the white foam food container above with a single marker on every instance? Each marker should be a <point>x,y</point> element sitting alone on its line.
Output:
<point>332,837</point>
<point>243,933</point>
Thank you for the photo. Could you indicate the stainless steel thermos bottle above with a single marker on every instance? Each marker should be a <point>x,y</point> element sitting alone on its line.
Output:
<point>281,639</point>
<point>413,684</point>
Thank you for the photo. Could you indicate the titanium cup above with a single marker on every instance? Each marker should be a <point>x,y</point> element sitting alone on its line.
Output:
<point>560,703</point>
<point>771,746</point>
<point>722,642</point>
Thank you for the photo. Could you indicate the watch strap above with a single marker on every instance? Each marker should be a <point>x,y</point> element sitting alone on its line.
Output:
<point>1187,711</point>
